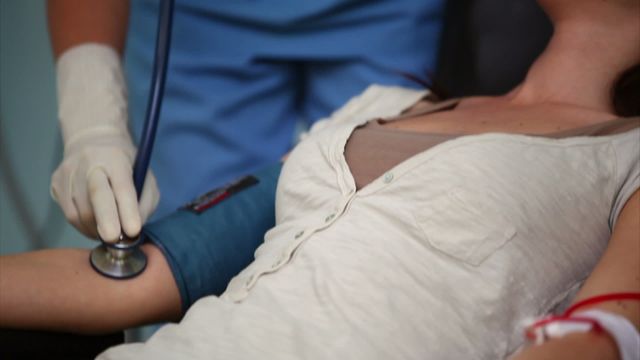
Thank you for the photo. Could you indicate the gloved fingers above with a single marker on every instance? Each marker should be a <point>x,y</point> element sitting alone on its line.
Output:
<point>103,202</point>
<point>86,221</point>
<point>61,192</point>
<point>150,197</point>
<point>126,200</point>
<point>82,203</point>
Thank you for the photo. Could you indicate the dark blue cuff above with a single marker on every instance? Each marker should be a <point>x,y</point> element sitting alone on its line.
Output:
<point>205,250</point>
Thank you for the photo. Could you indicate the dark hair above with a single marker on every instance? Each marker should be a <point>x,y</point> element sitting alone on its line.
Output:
<point>436,91</point>
<point>625,93</point>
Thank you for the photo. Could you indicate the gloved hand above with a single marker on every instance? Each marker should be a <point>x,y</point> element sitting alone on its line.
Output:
<point>94,183</point>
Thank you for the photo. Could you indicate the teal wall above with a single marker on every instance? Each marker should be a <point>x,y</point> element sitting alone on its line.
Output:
<point>30,144</point>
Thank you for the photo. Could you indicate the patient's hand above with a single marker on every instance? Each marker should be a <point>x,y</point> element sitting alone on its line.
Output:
<point>58,290</point>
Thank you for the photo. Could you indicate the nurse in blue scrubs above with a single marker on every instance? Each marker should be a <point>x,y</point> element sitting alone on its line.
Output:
<point>244,78</point>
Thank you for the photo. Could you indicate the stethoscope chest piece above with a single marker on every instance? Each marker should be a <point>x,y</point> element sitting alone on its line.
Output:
<point>120,260</point>
<point>124,259</point>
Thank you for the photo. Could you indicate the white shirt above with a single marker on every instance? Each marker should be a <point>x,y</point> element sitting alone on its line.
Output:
<point>442,257</point>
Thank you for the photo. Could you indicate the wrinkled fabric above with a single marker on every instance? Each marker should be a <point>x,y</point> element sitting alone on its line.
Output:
<point>442,257</point>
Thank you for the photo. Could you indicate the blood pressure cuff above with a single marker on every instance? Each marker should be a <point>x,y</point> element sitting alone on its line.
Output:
<point>210,240</point>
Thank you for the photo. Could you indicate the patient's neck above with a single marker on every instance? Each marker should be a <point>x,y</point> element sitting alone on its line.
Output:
<point>581,64</point>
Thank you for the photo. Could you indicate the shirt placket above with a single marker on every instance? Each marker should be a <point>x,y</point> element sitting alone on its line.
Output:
<point>327,219</point>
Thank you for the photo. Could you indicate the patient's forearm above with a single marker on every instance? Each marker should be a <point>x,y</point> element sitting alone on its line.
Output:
<point>58,290</point>
<point>584,346</point>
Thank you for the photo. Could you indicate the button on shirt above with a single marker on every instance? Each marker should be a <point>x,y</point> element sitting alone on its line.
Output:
<point>326,213</point>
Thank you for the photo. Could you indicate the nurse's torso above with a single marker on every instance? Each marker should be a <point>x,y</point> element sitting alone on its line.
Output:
<point>205,137</point>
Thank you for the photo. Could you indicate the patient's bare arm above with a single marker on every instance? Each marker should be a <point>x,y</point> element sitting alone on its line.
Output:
<point>58,290</point>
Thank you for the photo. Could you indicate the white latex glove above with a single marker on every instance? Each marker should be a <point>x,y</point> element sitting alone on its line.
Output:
<point>94,183</point>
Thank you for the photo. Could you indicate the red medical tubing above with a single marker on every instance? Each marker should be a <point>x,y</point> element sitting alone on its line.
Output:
<point>600,299</point>
<point>566,316</point>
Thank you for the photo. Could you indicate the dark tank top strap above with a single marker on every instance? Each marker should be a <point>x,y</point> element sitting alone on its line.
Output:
<point>422,108</point>
<point>611,127</point>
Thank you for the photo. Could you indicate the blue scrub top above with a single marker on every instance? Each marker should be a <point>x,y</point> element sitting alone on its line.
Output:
<point>244,74</point>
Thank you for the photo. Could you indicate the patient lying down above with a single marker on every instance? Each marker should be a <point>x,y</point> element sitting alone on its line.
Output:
<point>407,229</point>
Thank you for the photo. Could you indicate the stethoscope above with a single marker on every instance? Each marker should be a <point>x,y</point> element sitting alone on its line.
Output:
<point>124,259</point>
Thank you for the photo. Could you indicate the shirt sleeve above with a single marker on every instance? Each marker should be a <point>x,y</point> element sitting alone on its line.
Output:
<point>627,148</point>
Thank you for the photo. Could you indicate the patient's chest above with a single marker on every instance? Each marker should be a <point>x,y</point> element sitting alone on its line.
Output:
<point>465,198</point>
<point>383,143</point>
<point>472,234</point>
<point>478,230</point>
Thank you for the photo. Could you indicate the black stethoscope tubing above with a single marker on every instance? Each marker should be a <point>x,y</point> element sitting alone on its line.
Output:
<point>124,259</point>
<point>159,74</point>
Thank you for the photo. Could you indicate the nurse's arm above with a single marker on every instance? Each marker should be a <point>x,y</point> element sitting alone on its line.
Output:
<point>617,271</point>
<point>73,22</point>
<point>58,290</point>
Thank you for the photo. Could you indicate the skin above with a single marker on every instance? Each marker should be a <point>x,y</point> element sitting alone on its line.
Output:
<point>73,22</point>
<point>57,290</point>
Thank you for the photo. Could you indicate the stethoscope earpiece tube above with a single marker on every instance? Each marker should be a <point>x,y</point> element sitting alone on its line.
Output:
<point>161,60</point>
<point>124,259</point>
